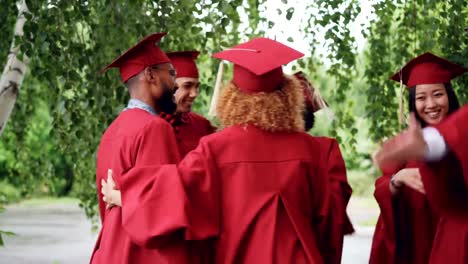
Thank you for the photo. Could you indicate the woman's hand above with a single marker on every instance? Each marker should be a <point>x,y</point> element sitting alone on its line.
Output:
<point>409,177</point>
<point>111,196</point>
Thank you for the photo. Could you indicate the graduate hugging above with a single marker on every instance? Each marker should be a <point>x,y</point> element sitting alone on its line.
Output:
<point>260,190</point>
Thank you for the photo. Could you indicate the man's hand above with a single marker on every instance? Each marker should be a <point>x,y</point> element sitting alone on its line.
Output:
<point>408,145</point>
<point>111,196</point>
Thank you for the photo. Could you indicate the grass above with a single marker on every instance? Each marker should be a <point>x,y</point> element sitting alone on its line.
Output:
<point>368,222</point>
<point>39,201</point>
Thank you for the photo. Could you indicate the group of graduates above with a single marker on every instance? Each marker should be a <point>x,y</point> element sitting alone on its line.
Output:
<point>173,188</point>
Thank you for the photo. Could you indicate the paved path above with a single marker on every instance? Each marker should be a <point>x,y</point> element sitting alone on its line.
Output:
<point>60,234</point>
<point>46,234</point>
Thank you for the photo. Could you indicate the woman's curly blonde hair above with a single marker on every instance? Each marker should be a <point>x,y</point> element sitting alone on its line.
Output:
<point>281,110</point>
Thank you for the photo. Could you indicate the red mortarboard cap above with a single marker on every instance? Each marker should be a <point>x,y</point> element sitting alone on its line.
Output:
<point>428,69</point>
<point>144,54</point>
<point>184,63</point>
<point>257,63</point>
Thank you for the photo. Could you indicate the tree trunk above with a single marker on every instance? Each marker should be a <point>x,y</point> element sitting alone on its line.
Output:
<point>13,73</point>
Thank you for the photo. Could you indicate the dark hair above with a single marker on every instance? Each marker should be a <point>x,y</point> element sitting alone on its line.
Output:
<point>452,101</point>
<point>309,119</point>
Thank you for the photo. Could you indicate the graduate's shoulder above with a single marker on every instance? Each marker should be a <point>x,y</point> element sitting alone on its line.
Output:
<point>327,142</point>
<point>194,117</point>
<point>135,121</point>
<point>238,134</point>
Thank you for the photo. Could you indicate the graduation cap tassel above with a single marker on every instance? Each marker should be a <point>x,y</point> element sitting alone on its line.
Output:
<point>320,101</point>
<point>401,114</point>
<point>216,90</point>
<point>323,105</point>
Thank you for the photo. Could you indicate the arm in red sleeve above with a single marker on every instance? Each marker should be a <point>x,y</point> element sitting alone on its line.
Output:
<point>153,147</point>
<point>172,198</point>
<point>337,222</point>
<point>454,129</point>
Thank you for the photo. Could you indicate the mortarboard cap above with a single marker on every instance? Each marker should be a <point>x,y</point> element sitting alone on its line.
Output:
<point>257,63</point>
<point>144,54</point>
<point>428,69</point>
<point>184,63</point>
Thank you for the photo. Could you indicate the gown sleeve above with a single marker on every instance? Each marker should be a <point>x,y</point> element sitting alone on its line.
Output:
<point>336,222</point>
<point>455,132</point>
<point>173,200</point>
<point>154,147</point>
<point>384,240</point>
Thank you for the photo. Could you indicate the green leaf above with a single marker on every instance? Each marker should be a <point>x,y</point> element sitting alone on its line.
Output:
<point>289,13</point>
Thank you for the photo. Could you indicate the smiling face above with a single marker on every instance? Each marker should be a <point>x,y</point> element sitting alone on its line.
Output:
<point>432,102</point>
<point>187,91</point>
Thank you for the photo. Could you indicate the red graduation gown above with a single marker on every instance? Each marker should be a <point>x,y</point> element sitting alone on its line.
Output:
<point>406,226</point>
<point>191,130</point>
<point>446,184</point>
<point>135,139</point>
<point>340,192</point>
<point>262,197</point>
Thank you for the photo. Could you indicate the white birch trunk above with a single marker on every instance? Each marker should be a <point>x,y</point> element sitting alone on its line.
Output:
<point>13,73</point>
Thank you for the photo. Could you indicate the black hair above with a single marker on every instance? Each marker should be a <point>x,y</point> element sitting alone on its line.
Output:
<point>452,101</point>
<point>309,119</point>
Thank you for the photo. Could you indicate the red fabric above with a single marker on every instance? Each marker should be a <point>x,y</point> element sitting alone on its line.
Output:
<point>261,200</point>
<point>192,128</point>
<point>249,82</point>
<point>446,184</point>
<point>134,140</point>
<point>454,129</point>
<point>406,226</point>
<point>428,68</point>
<point>340,192</point>
<point>173,119</point>
<point>447,193</point>
<point>184,63</point>
<point>144,54</point>
<point>257,63</point>
<point>189,128</point>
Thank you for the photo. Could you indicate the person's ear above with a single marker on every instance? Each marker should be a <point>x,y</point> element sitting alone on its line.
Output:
<point>151,76</point>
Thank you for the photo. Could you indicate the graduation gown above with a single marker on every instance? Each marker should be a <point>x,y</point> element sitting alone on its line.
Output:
<point>340,192</point>
<point>446,184</point>
<point>406,225</point>
<point>192,128</point>
<point>134,139</point>
<point>262,197</point>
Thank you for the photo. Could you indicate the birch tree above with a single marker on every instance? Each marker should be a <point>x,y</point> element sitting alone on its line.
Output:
<point>14,71</point>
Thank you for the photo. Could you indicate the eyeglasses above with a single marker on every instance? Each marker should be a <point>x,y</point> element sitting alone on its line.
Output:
<point>171,71</point>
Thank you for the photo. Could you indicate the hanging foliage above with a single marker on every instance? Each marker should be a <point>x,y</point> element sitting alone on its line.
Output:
<point>402,30</point>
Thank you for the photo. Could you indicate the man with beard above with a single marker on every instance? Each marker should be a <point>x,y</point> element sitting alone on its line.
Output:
<point>138,138</point>
<point>189,127</point>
